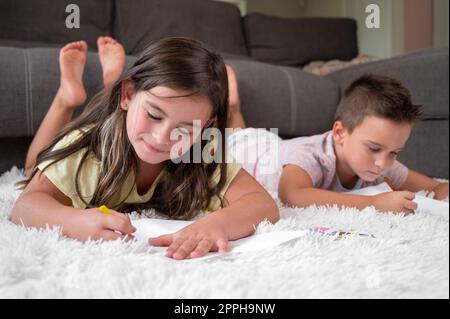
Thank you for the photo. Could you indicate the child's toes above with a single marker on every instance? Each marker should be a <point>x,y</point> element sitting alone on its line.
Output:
<point>68,46</point>
<point>100,41</point>
<point>83,45</point>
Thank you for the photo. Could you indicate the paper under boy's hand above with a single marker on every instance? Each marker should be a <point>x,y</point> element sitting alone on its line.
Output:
<point>194,241</point>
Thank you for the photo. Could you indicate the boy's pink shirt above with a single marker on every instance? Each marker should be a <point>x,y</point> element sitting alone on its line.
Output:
<point>315,154</point>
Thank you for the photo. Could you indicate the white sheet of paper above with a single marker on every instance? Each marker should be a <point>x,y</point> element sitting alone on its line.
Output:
<point>149,227</point>
<point>425,204</point>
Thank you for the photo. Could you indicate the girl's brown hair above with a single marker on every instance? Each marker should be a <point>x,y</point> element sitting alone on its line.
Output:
<point>177,62</point>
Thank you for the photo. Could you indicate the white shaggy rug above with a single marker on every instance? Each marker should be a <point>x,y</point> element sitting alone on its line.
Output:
<point>408,258</point>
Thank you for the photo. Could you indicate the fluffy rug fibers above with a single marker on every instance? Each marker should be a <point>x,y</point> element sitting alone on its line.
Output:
<point>408,257</point>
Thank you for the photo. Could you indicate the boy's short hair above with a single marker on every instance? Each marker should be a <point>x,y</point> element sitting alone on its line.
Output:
<point>376,95</point>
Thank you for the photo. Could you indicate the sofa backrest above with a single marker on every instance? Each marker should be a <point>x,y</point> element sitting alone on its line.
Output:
<point>217,24</point>
<point>136,23</point>
<point>45,21</point>
<point>295,42</point>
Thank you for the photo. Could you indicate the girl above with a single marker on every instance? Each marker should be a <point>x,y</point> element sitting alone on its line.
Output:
<point>117,152</point>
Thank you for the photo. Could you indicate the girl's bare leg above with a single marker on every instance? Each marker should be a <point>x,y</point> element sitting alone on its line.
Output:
<point>71,93</point>
<point>235,117</point>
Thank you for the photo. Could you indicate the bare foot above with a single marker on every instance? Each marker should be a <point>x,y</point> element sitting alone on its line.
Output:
<point>112,58</point>
<point>235,117</point>
<point>72,59</point>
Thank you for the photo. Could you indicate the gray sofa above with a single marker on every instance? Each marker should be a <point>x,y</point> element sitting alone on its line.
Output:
<point>266,52</point>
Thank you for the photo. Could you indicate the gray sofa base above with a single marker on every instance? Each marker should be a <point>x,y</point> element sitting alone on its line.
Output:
<point>428,158</point>
<point>295,102</point>
<point>13,152</point>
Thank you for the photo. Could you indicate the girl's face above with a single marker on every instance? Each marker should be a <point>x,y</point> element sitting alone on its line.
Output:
<point>154,115</point>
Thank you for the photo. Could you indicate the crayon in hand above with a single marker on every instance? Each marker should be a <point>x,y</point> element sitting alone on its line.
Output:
<point>105,210</point>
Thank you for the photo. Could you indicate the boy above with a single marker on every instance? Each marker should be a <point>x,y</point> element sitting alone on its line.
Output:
<point>372,125</point>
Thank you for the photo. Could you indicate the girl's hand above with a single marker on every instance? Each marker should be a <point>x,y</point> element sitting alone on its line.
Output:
<point>93,224</point>
<point>195,240</point>
<point>397,202</point>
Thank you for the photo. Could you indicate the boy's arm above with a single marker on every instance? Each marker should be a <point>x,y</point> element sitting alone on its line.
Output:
<point>296,189</point>
<point>416,182</point>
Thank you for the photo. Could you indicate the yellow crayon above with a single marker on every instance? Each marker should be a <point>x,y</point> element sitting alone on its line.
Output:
<point>105,210</point>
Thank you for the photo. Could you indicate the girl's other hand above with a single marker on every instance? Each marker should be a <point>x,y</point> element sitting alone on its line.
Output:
<point>194,241</point>
<point>93,224</point>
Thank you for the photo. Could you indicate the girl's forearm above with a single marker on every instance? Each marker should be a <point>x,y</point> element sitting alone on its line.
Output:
<point>56,118</point>
<point>40,210</point>
<point>241,218</point>
<point>312,196</point>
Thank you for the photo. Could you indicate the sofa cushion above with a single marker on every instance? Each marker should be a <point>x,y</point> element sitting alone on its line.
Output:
<point>28,44</point>
<point>14,152</point>
<point>295,102</point>
<point>424,73</point>
<point>13,86</point>
<point>218,24</point>
<point>29,82</point>
<point>295,42</point>
<point>29,20</point>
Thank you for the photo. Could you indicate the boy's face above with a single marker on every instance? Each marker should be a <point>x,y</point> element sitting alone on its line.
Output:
<point>372,147</point>
<point>156,117</point>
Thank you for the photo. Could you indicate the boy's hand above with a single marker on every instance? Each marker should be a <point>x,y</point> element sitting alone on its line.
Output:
<point>441,191</point>
<point>194,241</point>
<point>93,224</point>
<point>397,202</point>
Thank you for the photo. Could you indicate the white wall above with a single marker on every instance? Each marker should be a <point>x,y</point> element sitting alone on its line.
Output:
<point>440,26</point>
<point>241,4</point>
<point>281,8</point>
<point>323,8</point>
<point>384,42</point>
